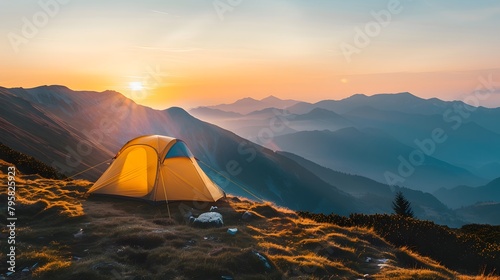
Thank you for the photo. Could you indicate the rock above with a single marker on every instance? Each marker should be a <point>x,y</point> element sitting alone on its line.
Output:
<point>211,238</point>
<point>232,231</point>
<point>214,209</point>
<point>263,260</point>
<point>246,216</point>
<point>368,259</point>
<point>208,219</point>
<point>79,234</point>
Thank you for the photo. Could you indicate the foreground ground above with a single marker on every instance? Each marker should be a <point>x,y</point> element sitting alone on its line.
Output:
<point>62,234</point>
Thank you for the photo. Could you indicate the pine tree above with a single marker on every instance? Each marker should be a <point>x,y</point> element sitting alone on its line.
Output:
<point>402,206</point>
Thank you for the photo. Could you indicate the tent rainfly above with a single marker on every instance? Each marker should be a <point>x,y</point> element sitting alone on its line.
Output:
<point>157,168</point>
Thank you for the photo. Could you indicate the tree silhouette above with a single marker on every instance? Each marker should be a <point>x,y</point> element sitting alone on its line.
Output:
<point>402,206</point>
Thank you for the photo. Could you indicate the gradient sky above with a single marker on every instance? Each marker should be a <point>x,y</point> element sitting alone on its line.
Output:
<point>185,54</point>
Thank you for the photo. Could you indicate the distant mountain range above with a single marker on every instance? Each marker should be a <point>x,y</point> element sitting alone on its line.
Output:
<point>248,105</point>
<point>75,130</point>
<point>461,196</point>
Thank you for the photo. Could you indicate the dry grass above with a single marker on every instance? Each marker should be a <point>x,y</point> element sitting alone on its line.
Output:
<point>125,239</point>
<point>410,274</point>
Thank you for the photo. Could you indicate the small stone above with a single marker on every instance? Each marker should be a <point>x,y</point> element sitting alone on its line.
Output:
<point>208,219</point>
<point>246,216</point>
<point>79,234</point>
<point>263,260</point>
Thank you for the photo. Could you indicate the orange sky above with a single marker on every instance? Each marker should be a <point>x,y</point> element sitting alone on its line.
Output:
<point>187,54</point>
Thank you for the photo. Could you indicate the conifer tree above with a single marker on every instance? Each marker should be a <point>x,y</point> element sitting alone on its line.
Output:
<point>402,206</point>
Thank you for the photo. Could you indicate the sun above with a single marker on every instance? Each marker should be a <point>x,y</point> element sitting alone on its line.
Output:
<point>135,86</point>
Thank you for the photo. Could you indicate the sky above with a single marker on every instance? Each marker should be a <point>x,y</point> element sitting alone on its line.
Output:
<point>205,52</point>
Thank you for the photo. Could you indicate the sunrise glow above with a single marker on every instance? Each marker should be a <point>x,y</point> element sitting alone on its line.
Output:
<point>193,54</point>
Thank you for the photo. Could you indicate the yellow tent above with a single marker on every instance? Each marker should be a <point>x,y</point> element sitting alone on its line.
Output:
<point>157,168</point>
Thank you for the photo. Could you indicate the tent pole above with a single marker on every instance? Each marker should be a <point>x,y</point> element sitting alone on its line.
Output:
<point>165,192</point>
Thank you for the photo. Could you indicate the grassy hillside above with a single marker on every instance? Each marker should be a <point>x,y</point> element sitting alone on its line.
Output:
<point>28,164</point>
<point>70,236</point>
<point>472,249</point>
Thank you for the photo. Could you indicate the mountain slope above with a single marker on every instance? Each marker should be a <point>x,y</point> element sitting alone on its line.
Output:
<point>36,129</point>
<point>463,195</point>
<point>456,147</point>
<point>481,213</point>
<point>209,114</point>
<point>378,197</point>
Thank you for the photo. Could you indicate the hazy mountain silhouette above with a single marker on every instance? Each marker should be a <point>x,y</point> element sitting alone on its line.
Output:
<point>467,144</point>
<point>247,105</point>
<point>206,113</point>
<point>464,196</point>
<point>372,153</point>
<point>481,213</point>
<point>378,197</point>
<point>319,119</point>
<point>406,103</point>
